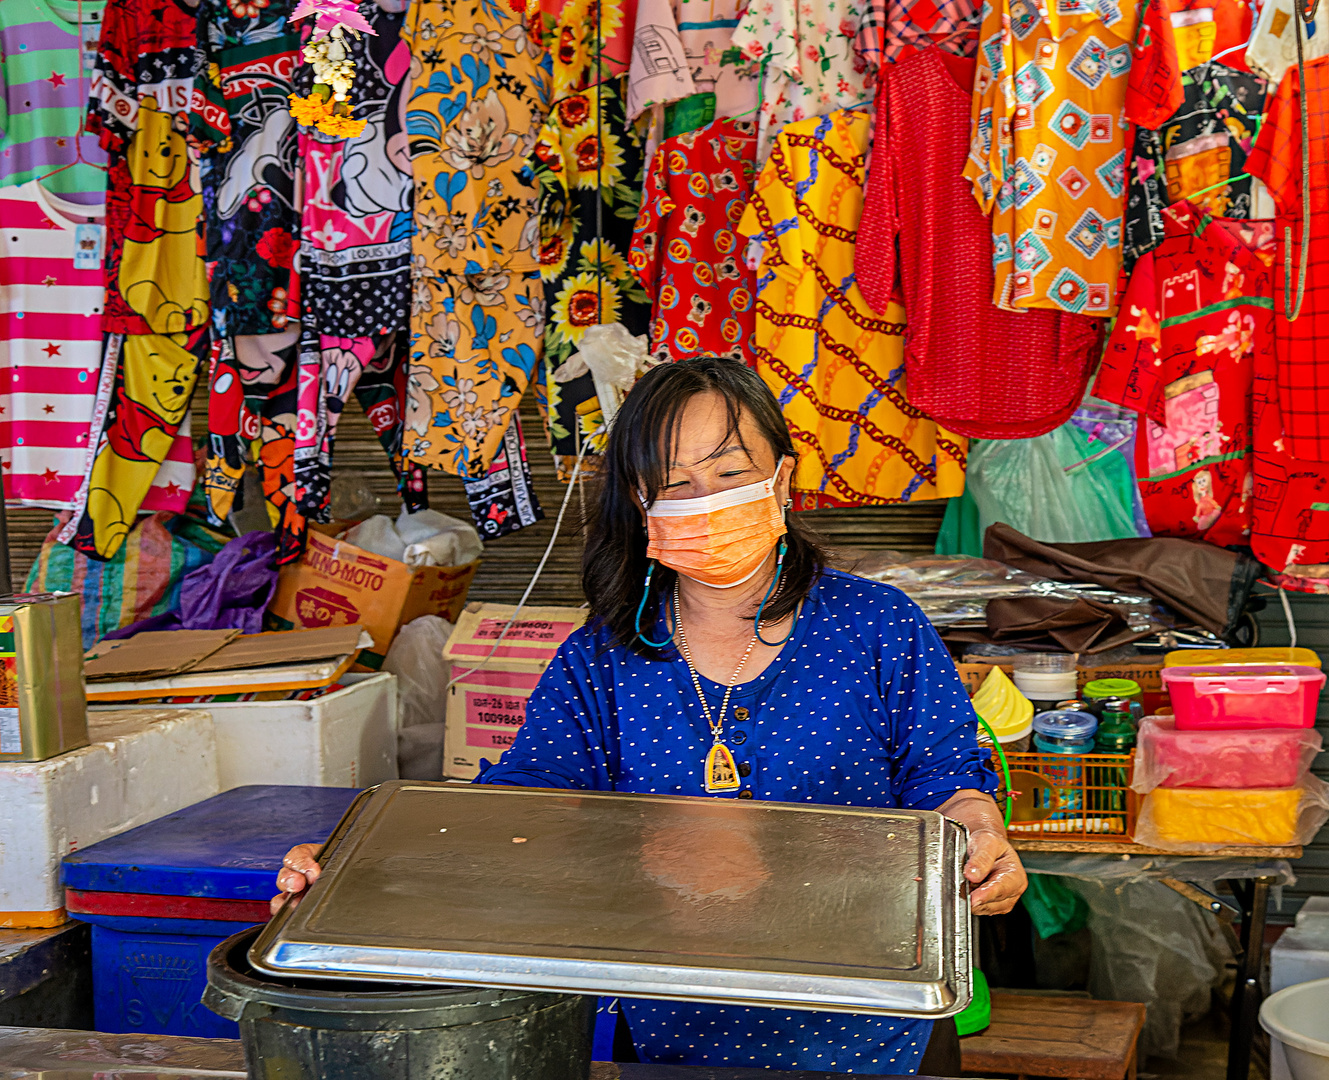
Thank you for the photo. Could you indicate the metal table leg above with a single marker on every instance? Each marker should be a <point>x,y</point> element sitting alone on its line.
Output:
<point>1253,896</point>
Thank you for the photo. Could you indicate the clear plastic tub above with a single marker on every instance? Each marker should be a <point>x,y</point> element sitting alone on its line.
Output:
<point>1268,758</point>
<point>1045,676</point>
<point>1243,698</point>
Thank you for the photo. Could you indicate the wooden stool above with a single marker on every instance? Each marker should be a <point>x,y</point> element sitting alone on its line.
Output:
<point>1056,1036</point>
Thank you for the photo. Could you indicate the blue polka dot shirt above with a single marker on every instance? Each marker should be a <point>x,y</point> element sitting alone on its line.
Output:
<point>863,707</point>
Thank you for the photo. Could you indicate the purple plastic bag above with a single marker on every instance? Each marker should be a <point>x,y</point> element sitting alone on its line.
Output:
<point>231,592</point>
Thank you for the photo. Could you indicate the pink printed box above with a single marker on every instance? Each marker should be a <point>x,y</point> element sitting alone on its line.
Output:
<point>487,704</point>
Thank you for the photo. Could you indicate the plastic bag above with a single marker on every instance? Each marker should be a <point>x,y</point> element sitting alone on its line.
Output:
<point>1153,946</point>
<point>416,658</point>
<point>425,538</point>
<point>1205,819</point>
<point>434,539</point>
<point>1059,488</point>
<point>159,552</point>
<point>1263,758</point>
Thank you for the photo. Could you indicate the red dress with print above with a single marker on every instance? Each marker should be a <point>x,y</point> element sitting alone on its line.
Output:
<point>685,250</point>
<point>1193,321</point>
<point>972,367</point>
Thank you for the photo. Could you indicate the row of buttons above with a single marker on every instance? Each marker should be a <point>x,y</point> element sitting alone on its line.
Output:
<point>738,739</point>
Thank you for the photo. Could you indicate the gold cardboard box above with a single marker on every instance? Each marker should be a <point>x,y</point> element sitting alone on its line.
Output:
<point>43,707</point>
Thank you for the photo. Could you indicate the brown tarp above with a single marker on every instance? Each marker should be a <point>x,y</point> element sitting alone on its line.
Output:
<point>1205,584</point>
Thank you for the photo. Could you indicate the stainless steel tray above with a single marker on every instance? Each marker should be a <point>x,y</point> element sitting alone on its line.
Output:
<point>751,903</point>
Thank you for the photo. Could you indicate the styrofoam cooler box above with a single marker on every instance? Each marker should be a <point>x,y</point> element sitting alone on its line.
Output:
<point>347,738</point>
<point>140,764</point>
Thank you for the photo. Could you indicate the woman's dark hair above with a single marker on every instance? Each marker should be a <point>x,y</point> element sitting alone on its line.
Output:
<point>636,459</point>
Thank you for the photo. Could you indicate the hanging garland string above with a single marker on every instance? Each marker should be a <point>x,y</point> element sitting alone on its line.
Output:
<point>328,52</point>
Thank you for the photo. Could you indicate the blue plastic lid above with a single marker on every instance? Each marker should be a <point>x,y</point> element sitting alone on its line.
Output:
<point>1066,724</point>
<point>229,847</point>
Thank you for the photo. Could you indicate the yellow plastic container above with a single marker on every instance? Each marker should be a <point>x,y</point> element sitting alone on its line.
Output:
<point>1280,654</point>
<point>1224,815</point>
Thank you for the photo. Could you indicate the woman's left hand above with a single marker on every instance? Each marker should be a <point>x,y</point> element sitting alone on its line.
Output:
<point>992,868</point>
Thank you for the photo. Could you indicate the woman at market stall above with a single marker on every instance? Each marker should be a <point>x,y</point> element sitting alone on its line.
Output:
<point>723,657</point>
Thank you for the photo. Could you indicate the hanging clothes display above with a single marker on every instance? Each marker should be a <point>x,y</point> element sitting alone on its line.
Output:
<point>978,370</point>
<point>1193,153</point>
<point>1047,155</point>
<point>684,249</point>
<point>46,62</point>
<point>1197,314</point>
<point>503,500</point>
<point>1290,519</point>
<point>143,80</point>
<point>589,161</point>
<point>241,117</point>
<point>1273,47</point>
<point>153,379</point>
<point>355,232</point>
<point>50,310</point>
<point>477,303</point>
<point>806,52</point>
<point>684,59</point>
<point>889,30</point>
<point>836,367</point>
<point>1302,375</point>
<point>586,40</point>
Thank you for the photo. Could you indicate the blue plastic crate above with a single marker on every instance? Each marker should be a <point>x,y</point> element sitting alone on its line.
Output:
<point>228,847</point>
<point>153,984</point>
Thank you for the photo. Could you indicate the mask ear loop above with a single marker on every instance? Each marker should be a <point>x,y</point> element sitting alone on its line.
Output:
<point>775,581</point>
<point>646,592</point>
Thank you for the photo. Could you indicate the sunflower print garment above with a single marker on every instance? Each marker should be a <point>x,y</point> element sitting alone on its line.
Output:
<point>586,283</point>
<point>567,31</point>
<point>836,366</point>
<point>476,102</point>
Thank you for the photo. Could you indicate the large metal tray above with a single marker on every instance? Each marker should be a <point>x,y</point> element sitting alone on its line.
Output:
<point>696,899</point>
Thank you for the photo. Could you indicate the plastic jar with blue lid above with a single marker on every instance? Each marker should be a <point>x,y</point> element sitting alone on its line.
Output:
<point>1063,731</point>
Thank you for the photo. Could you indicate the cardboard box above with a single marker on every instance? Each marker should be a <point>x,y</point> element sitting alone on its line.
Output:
<point>338,584</point>
<point>487,704</point>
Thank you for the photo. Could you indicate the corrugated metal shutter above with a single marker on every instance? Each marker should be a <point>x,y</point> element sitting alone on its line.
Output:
<point>1311,615</point>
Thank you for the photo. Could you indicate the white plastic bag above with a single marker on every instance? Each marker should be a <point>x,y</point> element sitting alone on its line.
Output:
<point>416,658</point>
<point>434,539</point>
<point>377,535</point>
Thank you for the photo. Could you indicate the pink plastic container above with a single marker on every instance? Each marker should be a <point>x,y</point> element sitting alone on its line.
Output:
<point>1262,758</point>
<point>1245,698</point>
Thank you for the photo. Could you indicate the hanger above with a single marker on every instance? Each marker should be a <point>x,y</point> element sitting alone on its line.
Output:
<point>1293,312</point>
<point>83,115</point>
<point>761,89</point>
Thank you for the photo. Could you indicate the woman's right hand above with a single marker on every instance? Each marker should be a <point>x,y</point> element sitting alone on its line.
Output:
<point>298,871</point>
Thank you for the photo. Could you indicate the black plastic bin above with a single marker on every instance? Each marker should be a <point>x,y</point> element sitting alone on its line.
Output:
<point>305,1030</point>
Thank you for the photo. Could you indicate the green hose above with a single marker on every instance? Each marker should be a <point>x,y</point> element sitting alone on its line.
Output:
<point>1005,769</point>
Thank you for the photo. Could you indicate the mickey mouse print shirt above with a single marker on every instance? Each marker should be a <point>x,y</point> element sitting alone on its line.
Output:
<point>1047,150</point>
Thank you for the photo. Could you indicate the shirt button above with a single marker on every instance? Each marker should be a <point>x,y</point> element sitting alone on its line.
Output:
<point>741,713</point>
<point>744,769</point>
<point>739,738</point>
<point>746,793</point>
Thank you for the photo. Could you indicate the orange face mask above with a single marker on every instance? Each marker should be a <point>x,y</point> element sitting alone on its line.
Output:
<point>720,540</point>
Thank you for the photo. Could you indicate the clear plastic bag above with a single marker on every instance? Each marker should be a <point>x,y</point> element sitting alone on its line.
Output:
<point>1206,819</point>
<point>416,658</point>
<point>1153,946</point>
<point>1264,758</point>
<point>1059,488</point>
<point>425,538</point>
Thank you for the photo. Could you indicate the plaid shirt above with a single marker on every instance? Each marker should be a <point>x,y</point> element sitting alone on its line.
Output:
<point>890,29</point>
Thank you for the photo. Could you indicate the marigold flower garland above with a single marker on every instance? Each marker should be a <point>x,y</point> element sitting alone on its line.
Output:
<point>328,51</point>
